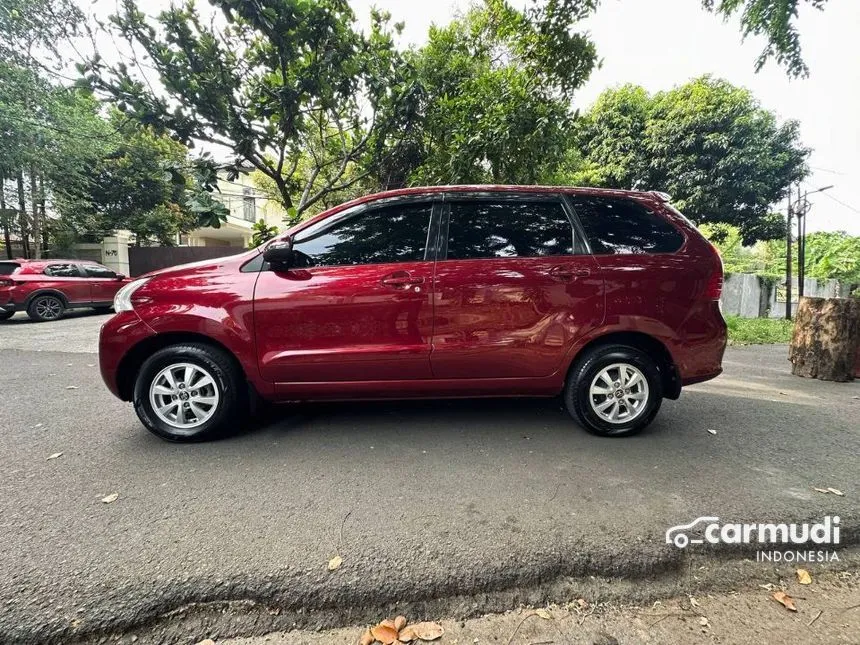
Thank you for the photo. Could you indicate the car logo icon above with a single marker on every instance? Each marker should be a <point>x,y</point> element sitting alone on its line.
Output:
<point>677,534</point>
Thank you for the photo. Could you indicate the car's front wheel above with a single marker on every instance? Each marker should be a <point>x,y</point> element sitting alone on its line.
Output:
<point>45,308</point>
<point>189,392</point>
<point>614,390</point>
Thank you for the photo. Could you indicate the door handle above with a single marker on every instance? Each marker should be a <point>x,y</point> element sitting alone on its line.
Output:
<point>567,274</point>
<point>401,279</point>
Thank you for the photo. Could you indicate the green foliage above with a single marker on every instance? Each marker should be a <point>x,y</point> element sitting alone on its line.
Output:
<point>773,19</point>
<point>28,27</point>
<point>262,233</point>
<point>758,331</point>
<point>709,144</point>
<point>829,255</point>
<point>290,87</point>
<point>495,96</point>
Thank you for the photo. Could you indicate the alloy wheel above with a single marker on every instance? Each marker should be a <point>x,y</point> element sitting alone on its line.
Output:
<point>184,395</point>
<point>619,393</point>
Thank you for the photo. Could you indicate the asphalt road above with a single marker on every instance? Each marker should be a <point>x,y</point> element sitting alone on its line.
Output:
<point>421,500</point>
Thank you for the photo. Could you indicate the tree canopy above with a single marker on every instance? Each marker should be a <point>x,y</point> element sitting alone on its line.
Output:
<point>709,144</point>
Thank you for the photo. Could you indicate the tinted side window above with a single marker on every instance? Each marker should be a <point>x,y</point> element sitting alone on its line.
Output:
<point>62,271</point>
<point>508,229</point>
<point>8,268</point>
<point>98,271</point>
<point>389,234</point>
<point>620,226</point>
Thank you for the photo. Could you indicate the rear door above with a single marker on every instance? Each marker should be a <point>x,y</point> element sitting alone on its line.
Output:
<point>512,293</point>
<point>103,282</point>
<point>68,279</point>
<point>358,304</point>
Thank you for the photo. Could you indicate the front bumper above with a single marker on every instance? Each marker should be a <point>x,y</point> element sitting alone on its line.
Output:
<point>117,336</point>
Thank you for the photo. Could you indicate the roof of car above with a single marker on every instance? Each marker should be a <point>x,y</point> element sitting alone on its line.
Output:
<point>485,188</point>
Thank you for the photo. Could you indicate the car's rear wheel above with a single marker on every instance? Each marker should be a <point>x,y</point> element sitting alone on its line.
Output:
<point>46,307</point>
<point>189,392</point>
<point>614,390</point>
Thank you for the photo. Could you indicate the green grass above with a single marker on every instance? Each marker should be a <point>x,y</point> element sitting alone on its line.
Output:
<point>758,331</point>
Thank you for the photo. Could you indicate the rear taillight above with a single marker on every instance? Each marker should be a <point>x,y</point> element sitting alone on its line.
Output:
<point>714,286</point>
<point>6,283</point>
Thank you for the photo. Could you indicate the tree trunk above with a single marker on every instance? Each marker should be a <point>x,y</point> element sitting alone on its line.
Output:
<point>37,224</point>
<point>7,235</point>
<point>826,338</point>
<point>24,219</point>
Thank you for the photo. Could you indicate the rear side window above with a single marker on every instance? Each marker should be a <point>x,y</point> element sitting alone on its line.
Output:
<point>508,229</point>
<point>62,271</point>
<point>8,268</point>
<point>390,234</point>
<point>622,226</point>
<point>98,271</point>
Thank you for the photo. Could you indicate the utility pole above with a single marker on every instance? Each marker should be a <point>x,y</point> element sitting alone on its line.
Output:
<point>788,259</point>
<point>803,207</point>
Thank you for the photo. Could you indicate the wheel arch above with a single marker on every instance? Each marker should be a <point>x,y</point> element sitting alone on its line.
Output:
<point>46,292</point>
<point>131,363</point>
<point>652,346</point>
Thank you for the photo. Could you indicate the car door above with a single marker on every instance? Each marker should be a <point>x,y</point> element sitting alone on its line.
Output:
<point>103,282</point>
<point>67,278</point>
<point>357,305</point>
<point>511,293</point>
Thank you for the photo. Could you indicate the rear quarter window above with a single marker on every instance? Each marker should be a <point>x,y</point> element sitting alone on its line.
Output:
<point>8,268</point>
<point>622,226</point>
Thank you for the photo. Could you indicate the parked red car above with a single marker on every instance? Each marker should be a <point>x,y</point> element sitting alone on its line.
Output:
<point>607,297</point>
<point>46,289</point>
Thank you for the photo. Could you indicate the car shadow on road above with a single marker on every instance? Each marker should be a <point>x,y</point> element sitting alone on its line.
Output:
<point>21,318</point>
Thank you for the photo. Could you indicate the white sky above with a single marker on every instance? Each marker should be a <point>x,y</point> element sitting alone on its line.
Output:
<point>662,43</point>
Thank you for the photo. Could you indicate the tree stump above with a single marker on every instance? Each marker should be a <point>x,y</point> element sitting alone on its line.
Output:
<point>826,338</point>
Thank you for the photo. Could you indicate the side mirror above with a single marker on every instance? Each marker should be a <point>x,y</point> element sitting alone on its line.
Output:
<point>279,254</point>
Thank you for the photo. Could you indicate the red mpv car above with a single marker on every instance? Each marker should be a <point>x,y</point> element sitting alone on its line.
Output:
<point>607,297</point>
<point>45,289</point>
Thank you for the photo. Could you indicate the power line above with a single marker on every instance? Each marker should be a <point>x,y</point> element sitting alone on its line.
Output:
<point>839,201</point>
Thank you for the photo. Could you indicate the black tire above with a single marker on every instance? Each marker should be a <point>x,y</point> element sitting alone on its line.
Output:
<point>231,387</point>
<point>46,307</point>
<point>582,404</point>
<point>6,315</point>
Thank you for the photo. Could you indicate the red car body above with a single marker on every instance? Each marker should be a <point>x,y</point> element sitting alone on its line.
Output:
<point>435,327</point>
<point>74,283</point>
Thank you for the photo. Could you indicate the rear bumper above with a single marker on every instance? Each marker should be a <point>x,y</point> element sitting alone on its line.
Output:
<point>9,307</point>
<point>119,334</point>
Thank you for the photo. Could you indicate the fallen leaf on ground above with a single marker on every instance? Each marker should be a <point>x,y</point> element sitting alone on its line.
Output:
<point>785,600</point>
<point>38,425</point>
<point>821,490</point>
<point>693,602</point>
<point>366,638</point>
<point>385,634</point>
<point>54,456</point>
<point>836,491</point>
<point>712,431</point>
<point>582,602</point>
<point>769,586</point>
<point>703,621</point>
<point>399,623</point>
<point>543,613</point>
<point>110,498</point>
<point>803,577</point>
<point>207,641</point>
<point>71,387</point>
<point>426,631</point>
<point>335,563</point>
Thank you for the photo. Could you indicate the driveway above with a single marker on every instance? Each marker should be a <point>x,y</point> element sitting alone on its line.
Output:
<point>472,505</point>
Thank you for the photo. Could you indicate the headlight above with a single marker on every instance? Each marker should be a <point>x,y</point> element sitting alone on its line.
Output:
<point>122,300</point>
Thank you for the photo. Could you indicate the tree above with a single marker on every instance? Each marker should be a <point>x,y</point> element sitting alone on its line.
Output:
<point>263,79</point>
<point>262,233</point>
<point>495,96</point>
<point>709,144</point>
<point>773,19</point>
